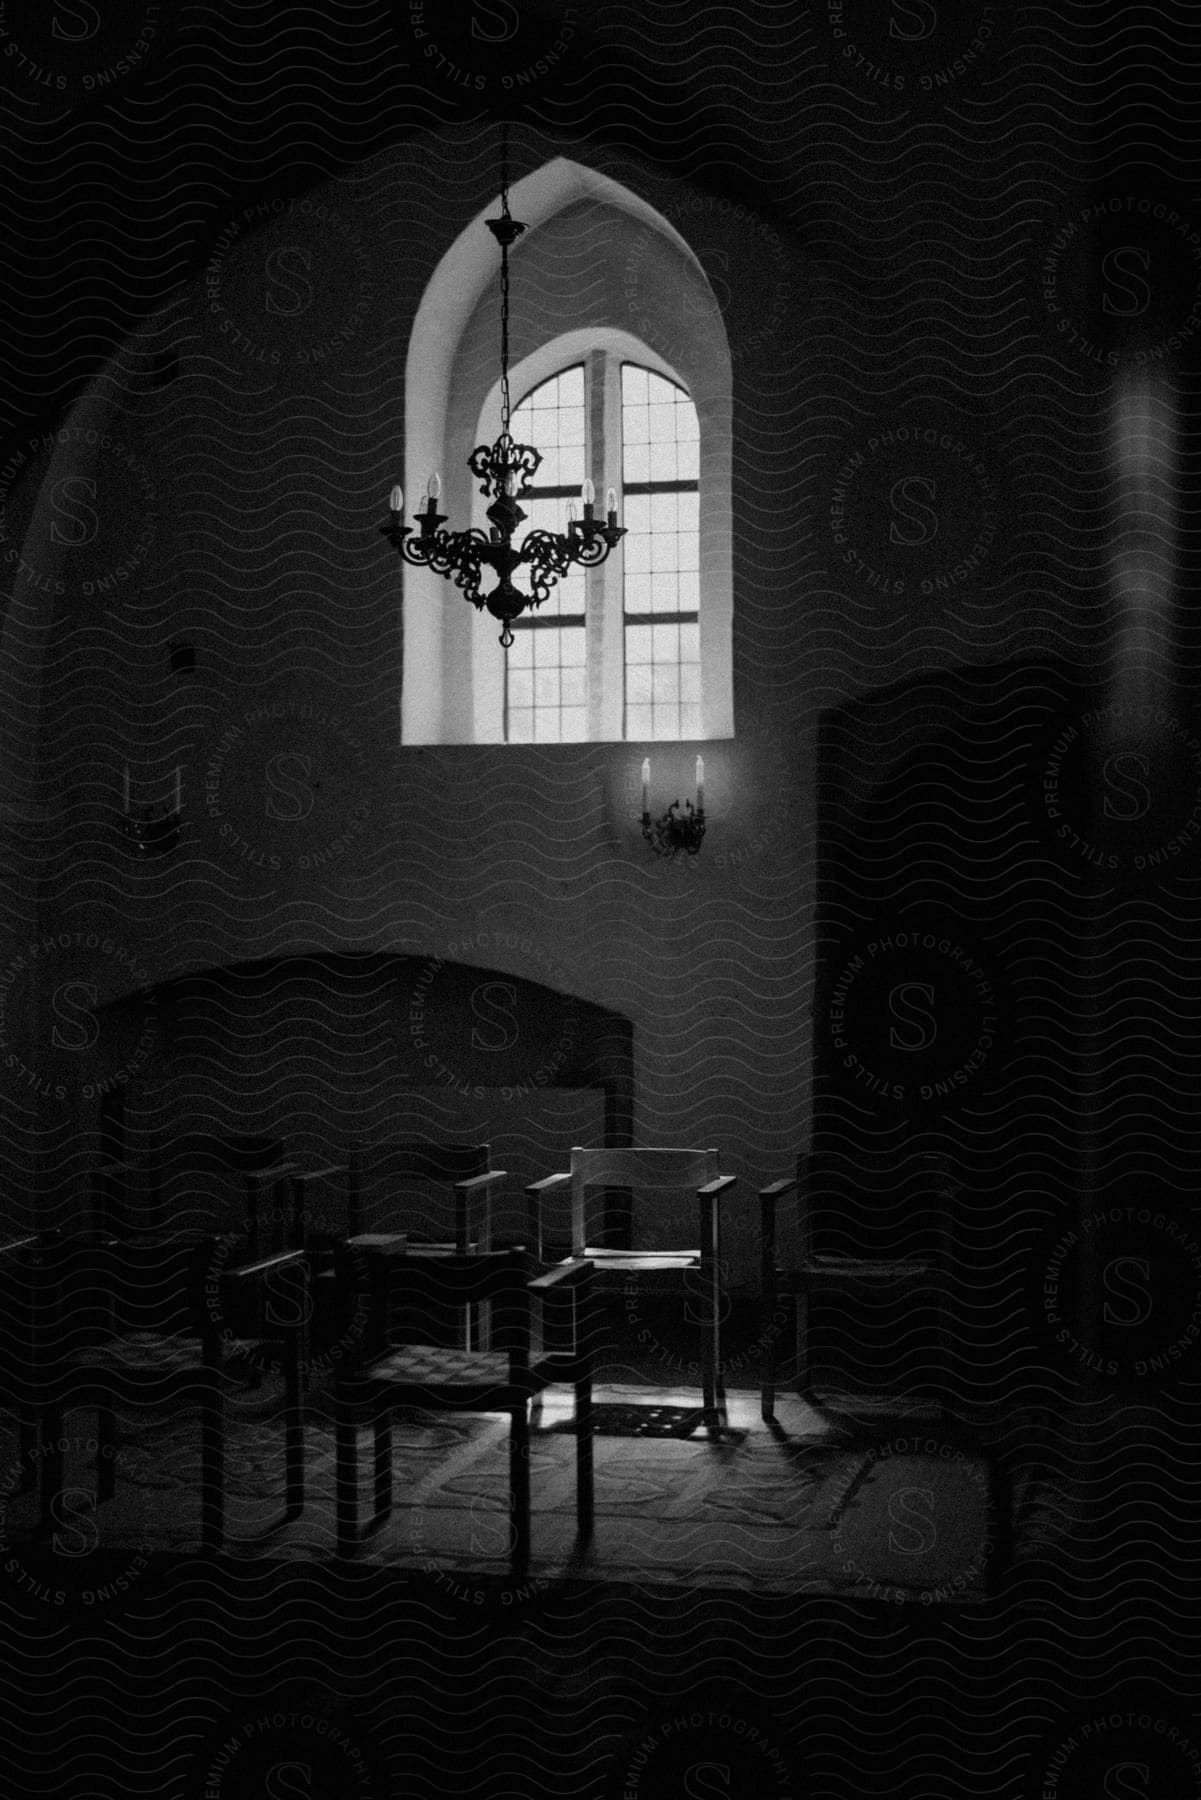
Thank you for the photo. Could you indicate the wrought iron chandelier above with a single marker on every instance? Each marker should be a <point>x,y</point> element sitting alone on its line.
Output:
<point>504,471</point>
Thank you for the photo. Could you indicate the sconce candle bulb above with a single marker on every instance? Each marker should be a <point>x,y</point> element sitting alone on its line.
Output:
<point>150,832</point>
<point>676,830</point>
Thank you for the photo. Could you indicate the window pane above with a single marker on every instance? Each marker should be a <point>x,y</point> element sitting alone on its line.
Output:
<point>551,418</point>
<point>546,689</point>
<point>660,444</point>
<point>638,644</point>
<point>633,384</point>
<point>662,462</point>
<point>636,462</point>
<point>638,588</point>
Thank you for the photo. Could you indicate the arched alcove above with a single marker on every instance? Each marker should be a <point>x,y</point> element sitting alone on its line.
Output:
<point>597,271</point>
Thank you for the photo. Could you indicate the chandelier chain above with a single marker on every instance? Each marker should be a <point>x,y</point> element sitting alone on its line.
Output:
<point>504,281</point>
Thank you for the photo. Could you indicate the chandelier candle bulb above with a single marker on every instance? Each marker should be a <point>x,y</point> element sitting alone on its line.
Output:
<point>646,787</point>
<point>434,489</point>
<point>611,505</point>
<point>396,499</point>
<point>700,784</point>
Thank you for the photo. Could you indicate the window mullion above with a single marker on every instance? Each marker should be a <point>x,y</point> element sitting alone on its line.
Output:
<point>606,594</point>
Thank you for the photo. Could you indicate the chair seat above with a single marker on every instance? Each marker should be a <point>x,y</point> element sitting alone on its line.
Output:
<point>854,1268</point>
<point>401,1243</point>
<point>639,1262</point>
<point>150,1354</point>
<point>412,1374</point>
<point>429,1365</point>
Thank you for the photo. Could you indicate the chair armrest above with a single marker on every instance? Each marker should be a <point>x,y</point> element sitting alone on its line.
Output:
<point>14,1245</point>
<point>534,1195</point>
<point>473,1182</point>
<point>712,1189</point>
<point>548,1184</point>
<point>775,1190</point>
<point>577,1269</point>
<point>264,1265</point>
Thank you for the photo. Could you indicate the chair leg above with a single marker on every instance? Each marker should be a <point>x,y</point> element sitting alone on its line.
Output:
<point>293,1441</point>
<point>519,1489</point>
<point>53,1467</point>
<point>803,1371</point>
<point>383,1464</point>
<point>106,1453</point>
<point>1000,1523</point>
<point>346,1483</point>
<point>584,1476</point>
<point>767,1386</point>
<point>711,1287</point>
<point>212,1470</point>
<point>29,1435</point>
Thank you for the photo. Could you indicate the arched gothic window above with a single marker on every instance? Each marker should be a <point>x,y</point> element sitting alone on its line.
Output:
<point>621,372</point>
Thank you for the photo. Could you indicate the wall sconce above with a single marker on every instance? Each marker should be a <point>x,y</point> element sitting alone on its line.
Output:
<point>676,830</point>
<point>152,833</point>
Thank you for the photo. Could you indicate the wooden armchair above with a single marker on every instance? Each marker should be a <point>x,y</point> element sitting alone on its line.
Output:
<point>866,1282</point>
<point>425,1195</point>
<point>29,1320</point>
<point>154,1321</point>
<point>130,1197</point>
<point>655,1176</point>
<point>389,1374</point>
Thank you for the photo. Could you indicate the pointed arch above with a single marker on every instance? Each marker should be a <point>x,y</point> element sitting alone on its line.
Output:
<point>598,273</point>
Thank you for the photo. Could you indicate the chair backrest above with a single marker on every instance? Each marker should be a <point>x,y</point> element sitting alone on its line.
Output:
<point>405,1186</point>
<point>903,1206</point>
<point>651,1188</point>
<point>143,1283</point>
<point>27,1307</point>
<point>197,1182</point>
<point>423,1290</point>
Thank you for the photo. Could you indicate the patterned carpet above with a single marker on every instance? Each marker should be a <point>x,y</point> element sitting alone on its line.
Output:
<point>892,1515</point>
